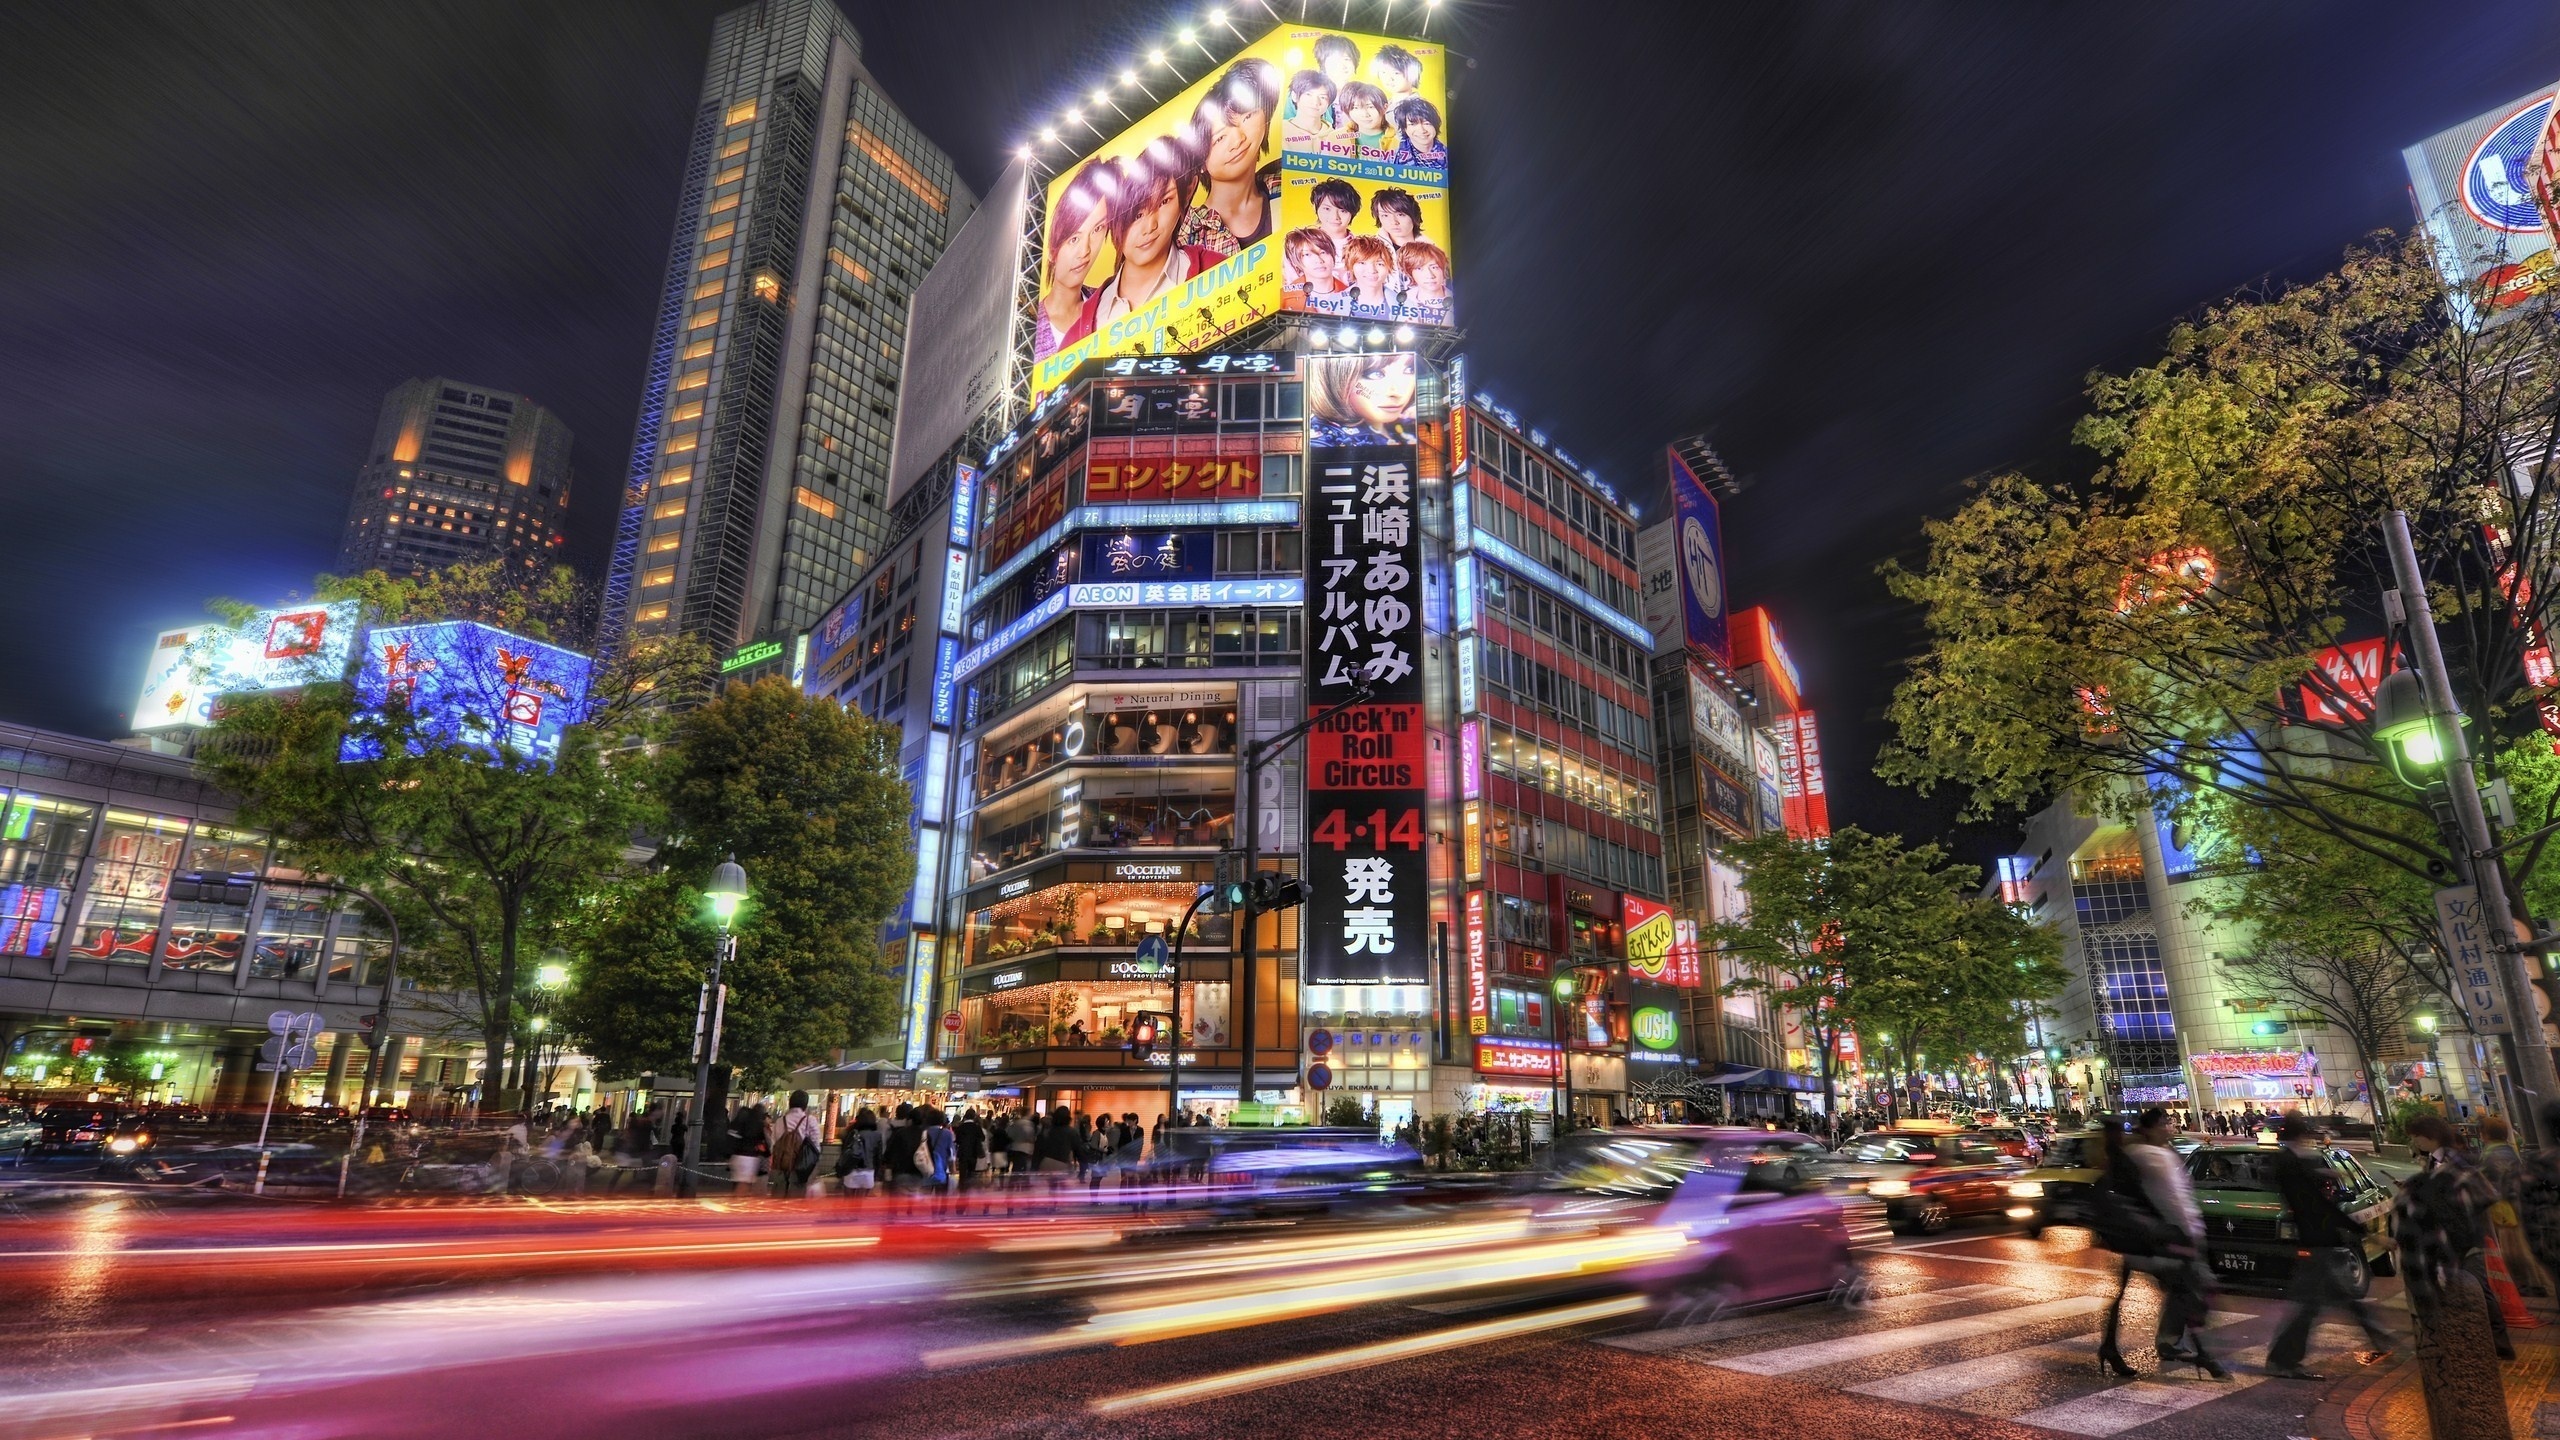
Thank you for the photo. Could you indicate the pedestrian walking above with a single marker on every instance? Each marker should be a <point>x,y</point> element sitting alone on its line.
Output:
<point>2502,1165</point>
<point>2180,1270</point>
<point>1022,1137</point>
<point>2327,1236</point>
<point>1057,1149</point>
<point>747,1146</point>
<point>910,1159</point>
<point>797,1141</point>
<point>858,1154</point>
<point>2440,1219</point>
<point>972,1139</point>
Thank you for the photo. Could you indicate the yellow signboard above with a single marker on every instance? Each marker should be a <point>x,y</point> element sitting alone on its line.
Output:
<point>1309,173</point>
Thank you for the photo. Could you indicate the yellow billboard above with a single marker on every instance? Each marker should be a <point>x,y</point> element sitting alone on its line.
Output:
<point>1308,173</point>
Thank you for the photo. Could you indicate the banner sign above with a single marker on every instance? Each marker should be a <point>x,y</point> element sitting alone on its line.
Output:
<point>2466,940</point>
<point>1368,902</point>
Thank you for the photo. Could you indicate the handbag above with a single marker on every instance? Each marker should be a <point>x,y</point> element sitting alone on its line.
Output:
<point>2129,1227</point>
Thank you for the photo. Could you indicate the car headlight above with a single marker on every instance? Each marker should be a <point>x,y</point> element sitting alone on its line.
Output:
<point>2026,1189</point>
<point>123,1144</point>
<point>1889,1187</point>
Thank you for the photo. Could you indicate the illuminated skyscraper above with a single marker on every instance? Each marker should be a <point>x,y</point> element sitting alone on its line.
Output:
<point>457,472</point>
<point>811,207</point>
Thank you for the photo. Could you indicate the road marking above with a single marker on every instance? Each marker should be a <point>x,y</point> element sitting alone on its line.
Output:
<point>1233,1382</point>
<point>1811,1356</point>
<point>2113,1411</point>
<point>1945,1382</point>
<point>1682,1336</point>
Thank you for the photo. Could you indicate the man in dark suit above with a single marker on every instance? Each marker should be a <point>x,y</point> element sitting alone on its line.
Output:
<point>2322,1227</point>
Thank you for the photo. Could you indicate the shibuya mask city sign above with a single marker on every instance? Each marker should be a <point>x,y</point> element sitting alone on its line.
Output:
<point>1368,900</point>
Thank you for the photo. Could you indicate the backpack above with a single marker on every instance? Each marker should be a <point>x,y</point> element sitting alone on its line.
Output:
<point>924,1151</point>
<point>786,1152</point>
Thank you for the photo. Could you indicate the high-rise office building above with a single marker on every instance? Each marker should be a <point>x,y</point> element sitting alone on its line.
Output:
<point>811,208</point>
<point>457,472</point>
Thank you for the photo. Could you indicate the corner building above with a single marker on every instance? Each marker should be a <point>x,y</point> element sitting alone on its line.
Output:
<point>1131,619</point>
<point>811,208</point>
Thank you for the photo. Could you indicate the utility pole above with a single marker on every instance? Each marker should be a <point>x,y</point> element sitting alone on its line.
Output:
<point>2528,1054</point>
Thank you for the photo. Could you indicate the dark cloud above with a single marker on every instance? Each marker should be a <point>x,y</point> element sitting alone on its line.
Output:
<point>1871,249</point>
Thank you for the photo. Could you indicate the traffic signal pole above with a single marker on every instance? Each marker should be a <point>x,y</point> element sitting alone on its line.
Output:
<point>2528,1054</point>
<point>1249,815</point>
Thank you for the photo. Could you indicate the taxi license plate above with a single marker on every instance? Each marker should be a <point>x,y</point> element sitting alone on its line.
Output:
<point>2234,1260</point>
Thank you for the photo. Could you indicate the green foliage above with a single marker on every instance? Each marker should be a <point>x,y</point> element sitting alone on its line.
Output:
<point>481,857</point>
<point>1346,1110</point>
<point>2171,606</point>
<point>1861,931</point>
<point>807,796</point>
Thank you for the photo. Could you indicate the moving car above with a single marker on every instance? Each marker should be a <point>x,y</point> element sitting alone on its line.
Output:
<point>1765,1231</point>
<point>1926,1180</point>
<point>2058,1191</point>
<point>2249,1240</point>
<point>19,1133</point>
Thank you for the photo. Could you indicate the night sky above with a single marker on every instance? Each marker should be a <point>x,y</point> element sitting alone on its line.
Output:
<point>1870,249</point>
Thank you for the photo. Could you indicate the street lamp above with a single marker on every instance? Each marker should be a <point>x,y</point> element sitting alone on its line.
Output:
<point>2406,732</point>
<point>727,892</point>
<point>548,977</point>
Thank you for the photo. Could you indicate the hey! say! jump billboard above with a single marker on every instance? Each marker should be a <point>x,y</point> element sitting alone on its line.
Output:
<point>1308,173</point>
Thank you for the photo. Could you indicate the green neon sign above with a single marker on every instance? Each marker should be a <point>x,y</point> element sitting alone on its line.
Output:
<point>755,654</point>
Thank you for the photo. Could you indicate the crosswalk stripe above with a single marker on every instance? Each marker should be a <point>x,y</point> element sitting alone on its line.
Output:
<point>1882,1342</point>
<point>2140,1402</point>
<point>1681,1336</point>
<point>1945,1382</point>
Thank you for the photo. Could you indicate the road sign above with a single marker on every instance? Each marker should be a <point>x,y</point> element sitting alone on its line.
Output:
<point>288,1044</point>
<point>1153,953</point>
<point>1320,1076</point>
<point>951,1021</point>
<point>1319,1042</point>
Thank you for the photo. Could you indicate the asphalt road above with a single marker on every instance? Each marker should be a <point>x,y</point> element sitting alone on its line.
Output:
<point>529,1321</point>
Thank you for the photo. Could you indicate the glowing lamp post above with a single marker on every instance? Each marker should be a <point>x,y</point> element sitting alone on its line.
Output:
<point>727,892</point>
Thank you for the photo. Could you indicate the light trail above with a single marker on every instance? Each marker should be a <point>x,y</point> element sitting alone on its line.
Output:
<point>1281,1372</point>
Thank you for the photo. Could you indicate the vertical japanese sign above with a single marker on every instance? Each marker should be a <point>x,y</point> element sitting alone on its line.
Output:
<point>2466,941</point>
<point>1368,901</point>
<point>1479,993</point>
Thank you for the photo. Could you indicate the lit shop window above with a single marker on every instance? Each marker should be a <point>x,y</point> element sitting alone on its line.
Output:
<point>41,843</point>
<point>135,855</point>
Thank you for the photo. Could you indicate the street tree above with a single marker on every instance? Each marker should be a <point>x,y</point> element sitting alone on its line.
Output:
<point>482,851</point>
<point>1860,931</point>
<point>2166,617</point>
<point>807,795</point>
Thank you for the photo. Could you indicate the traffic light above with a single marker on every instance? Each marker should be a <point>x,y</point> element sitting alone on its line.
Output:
<point>1229,893</point>
<point>1275,891</point>
<point>1146,1029</point>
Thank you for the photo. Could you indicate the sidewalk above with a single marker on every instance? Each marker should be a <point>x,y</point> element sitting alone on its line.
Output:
<point>2392,1407</point>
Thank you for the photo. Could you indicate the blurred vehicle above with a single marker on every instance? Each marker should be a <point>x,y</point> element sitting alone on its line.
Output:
<point>2247,1237</point>
<point>19,1132</point>
<point>1295,1167</point>
<point>1926,1180</point>
<point>1764,1228</point>
<point>2060,1189</point>
<point>2010,1140</point>
<point>75,1129</point>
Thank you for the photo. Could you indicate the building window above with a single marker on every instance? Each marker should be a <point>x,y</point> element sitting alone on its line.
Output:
<point>695,351</point>
<point>696,380</point>
<point>734,148</point>
<point>648,613</point>
<point>709,288</point>
<point>41,843</point>
<point>742,112</point>
<point>815,501</point>
<point>898,167</point>
<point>665,543</point>
<point>725,202</point>
<point>706,318</point>
<point>677,476</point>
<point>668,511</point>
<point>848,265</point>
<point>683,443</point>
<point>721,231</point>
<point>129,883</point>
<point>733,173</point>
<point>663,575</point>
<point>714,260</point>
<point>688,412</point>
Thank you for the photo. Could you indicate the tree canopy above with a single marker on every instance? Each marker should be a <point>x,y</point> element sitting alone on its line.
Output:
<point>807,795</point>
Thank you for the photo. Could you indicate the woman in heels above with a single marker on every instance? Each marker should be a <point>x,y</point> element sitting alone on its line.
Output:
<point>2181,1269</point>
